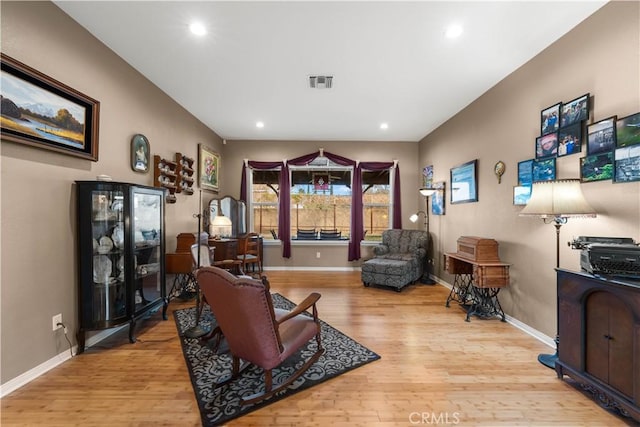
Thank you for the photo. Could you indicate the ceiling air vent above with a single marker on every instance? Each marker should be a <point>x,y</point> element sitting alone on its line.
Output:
<point>320,82</point>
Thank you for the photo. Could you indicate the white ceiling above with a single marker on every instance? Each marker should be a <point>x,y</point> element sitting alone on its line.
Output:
<point>390,60</point>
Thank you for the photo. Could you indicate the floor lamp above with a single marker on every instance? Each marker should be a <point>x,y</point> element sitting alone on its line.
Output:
<point>555,202</point>
<point>426,192</point>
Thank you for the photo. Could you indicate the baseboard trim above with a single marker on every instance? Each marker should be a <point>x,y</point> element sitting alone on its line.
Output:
<point>14,384</point>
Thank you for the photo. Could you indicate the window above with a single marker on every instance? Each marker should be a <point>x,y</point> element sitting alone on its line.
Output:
<point>264,202</point>
<point>321,197</point>
<point>376,201</point>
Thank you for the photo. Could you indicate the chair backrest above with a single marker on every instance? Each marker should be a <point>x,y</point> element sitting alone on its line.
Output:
<point>205,255</point>
<point>249,244</point>
<point>244,311</point>
<point>306,233</point>
<point>404,241</point>
<point>330,234</point>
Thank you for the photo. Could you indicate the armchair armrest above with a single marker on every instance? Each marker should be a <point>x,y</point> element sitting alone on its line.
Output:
<point>381,249</point>
<point>309,301</point>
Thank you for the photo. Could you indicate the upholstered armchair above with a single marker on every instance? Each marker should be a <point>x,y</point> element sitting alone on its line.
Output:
<point>399,260</point>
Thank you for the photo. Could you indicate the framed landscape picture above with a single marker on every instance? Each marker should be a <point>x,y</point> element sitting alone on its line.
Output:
<point>570,139</point>
<point>544,170</point>
<point>628,130</point>
<point>550,119</point>
<point>601,136</point>
<point>464,183</point>
<point>45,113</point>
<point>575,111</point>
<point>547,145</point>
<point>598,167</point>
<point>627,164</point>
<point>208,168</point>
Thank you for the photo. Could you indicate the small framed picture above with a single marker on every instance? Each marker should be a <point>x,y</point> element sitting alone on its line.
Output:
<point>570,139</point>
<point>464,183</point>
<point>598,167</point>
<point>437,200</point>
<point>525,173</point>
<point>628,130</point>
<point>575,111</point>
<point>601,136</point>
<point>547,145</point>
<point>208,168</point>
<point>550,119</point>
<point>627,164</point>
<point>140,153</point>
<point>544,169</point>
<point>521,194</point>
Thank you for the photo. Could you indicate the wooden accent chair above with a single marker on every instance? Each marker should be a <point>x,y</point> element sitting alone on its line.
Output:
<point>249,252</point>
<point>255,331</point>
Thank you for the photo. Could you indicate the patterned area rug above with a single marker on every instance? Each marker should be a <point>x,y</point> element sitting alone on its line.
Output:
<point>219,405</point>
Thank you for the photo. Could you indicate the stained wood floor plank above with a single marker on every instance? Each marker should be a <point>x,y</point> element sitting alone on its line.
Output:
<point>435,369</point>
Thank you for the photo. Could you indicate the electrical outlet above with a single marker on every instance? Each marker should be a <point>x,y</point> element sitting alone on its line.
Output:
<point>317,254</point>
<point>54,322</point>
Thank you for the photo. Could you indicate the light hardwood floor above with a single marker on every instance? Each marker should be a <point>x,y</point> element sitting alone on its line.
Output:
<point>436,369</point>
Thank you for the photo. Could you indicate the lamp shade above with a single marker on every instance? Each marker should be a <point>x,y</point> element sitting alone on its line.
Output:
<point>427,191</point>
<point>220,226</point>
<point>559,198</point>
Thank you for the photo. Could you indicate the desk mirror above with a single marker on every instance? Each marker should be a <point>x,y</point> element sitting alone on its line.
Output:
<point>235,210</point>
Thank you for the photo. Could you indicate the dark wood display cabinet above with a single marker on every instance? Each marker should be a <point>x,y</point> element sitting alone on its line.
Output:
<point>599,338</point>
<point>121,263</point>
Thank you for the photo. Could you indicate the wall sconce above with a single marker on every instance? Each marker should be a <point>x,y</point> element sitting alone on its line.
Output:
<point>555,202</point>
<point>426,192</point>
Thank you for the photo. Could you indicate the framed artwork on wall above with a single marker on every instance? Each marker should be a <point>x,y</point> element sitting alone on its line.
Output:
<point>570,139</point>
<point>208,168</point>
<point>544,170</point>
<point>575,111</point>
<point>628,130</point>
<point>437,200</point>
<point>627,164</point>
<point>525,172</point>
<point>601,136</point>
<point>550,119</point>
<point>597,167</point>
<point>45,113</point>
<point>464,183</point>
<point>547,145</point>
<point>521,194</point>
<point>140,153</point>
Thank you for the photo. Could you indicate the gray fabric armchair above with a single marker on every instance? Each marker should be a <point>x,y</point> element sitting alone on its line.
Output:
<point>399,260</point>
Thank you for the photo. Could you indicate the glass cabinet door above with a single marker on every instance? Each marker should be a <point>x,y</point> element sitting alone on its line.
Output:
<point>108,240</point>
<point>147,236</point>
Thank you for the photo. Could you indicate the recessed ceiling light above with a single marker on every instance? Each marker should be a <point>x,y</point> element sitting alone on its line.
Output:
<point>453,31</point>
<point>384,126</point>
<point>259,124</point>
<point>198,29</point>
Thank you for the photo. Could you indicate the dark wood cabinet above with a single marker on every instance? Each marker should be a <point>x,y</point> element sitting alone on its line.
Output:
<point>599,338</point>
<point>121,264</point>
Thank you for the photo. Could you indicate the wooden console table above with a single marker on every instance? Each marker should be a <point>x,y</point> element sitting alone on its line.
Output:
<point>479,276</point>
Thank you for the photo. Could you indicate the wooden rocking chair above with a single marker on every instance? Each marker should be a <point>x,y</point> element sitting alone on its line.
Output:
<point>255,331</point>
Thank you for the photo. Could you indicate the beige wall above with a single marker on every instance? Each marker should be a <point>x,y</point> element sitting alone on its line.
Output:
<point>601,56</point>
<point>335,256</point>
<point>38,203</point>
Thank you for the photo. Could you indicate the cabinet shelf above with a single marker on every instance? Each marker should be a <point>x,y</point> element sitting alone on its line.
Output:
<point>165,175</point>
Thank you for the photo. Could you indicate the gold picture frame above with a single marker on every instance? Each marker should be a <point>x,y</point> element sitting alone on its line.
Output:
<point>208,168</point>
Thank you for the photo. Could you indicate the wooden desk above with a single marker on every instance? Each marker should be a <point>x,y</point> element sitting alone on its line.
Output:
<point>224,249</point>
<point>477,284</point>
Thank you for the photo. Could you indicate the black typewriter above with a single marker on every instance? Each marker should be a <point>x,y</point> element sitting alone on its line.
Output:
<point>612,256</point>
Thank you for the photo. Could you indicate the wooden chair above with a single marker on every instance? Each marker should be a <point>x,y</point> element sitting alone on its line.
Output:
<point>255,331</point>
<point>249,252</point>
